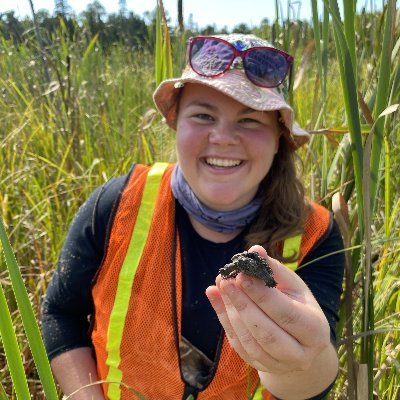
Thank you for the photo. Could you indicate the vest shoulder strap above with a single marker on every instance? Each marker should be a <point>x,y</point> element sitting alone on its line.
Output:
<point>292,246</point>
<point>127,273</point>
<point>317,224</point>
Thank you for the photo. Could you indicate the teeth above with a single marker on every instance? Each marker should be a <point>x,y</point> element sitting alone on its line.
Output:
<point>219,162</point>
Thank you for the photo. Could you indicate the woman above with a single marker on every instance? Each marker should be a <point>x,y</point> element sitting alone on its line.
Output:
<point>142,254</point>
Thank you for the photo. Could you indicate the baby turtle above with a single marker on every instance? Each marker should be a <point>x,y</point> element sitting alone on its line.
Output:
<point>250,263</point>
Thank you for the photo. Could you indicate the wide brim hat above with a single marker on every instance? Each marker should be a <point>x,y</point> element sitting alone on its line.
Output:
<point>236,85</point>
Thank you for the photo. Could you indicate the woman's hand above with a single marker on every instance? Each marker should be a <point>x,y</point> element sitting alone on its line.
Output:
<point>278,331</point>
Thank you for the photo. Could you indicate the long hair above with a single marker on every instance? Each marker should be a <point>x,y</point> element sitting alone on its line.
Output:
<point>284,208</point>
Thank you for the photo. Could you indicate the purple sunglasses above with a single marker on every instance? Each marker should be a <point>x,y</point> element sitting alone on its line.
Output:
<point>264,66</point>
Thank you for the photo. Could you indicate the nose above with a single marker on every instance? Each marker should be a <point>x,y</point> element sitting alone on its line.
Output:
<point>224,133</point>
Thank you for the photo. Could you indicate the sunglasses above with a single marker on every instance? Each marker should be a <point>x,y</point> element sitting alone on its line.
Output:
<point>264,66</point>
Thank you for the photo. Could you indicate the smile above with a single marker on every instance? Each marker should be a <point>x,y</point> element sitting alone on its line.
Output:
<point>222,162</point>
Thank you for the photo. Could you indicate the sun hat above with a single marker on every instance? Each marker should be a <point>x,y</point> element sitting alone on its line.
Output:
<point>235,84</point>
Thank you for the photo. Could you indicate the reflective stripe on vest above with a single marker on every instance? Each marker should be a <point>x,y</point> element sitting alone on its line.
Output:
<point>126,278</point>
<point>291,246</point>
<point>258,393</point>
<point>261,394</point>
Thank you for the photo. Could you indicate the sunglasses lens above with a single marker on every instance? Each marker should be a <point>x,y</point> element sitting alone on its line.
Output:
<point>266,67</point>
<point>209,56</point>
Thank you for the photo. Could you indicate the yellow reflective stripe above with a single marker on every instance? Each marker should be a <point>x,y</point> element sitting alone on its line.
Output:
<point>126,277</point>
<point>291,246</point>
<point>258,392</point>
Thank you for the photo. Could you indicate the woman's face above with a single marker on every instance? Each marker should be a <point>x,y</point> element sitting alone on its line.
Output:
<point>224,148</point>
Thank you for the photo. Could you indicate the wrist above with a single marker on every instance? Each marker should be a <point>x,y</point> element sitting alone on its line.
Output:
<point>304,383</point>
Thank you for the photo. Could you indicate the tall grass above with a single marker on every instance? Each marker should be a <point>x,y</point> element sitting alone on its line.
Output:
<point>54,151</point>
<point>59,141</point>
<point>367,177</point>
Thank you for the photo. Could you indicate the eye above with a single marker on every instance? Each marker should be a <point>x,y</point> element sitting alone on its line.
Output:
<point>203,117</point>
<point>250,122</point>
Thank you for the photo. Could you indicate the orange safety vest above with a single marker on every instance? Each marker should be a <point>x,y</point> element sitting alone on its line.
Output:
<point>137,299</point>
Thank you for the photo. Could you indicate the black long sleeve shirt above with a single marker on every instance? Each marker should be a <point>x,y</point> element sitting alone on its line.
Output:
<point>68,304</point>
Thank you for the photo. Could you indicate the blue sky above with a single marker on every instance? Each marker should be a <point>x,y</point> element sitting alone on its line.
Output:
<point>221,12</point>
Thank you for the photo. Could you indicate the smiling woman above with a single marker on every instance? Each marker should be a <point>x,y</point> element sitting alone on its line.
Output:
<point>224,149</point>
<point>143,256</point>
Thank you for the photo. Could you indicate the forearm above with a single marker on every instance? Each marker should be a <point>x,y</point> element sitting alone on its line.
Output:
<point>304,384</point>
<point>73,370</point>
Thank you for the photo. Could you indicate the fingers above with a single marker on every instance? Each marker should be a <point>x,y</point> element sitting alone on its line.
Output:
<point>255,325</point>
<point>287,280</point>
<point>292,306</point>
<point>297,314</point>
<point>239,336</point>
<point>273,329</point>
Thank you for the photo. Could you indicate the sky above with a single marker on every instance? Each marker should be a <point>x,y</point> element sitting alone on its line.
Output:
<point>205,12</point>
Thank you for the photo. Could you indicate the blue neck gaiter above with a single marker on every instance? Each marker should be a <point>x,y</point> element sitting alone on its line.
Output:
<point>219,221</point>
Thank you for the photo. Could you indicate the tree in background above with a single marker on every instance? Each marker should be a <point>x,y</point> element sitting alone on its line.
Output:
<point>125,27</point>
<point>11,27</point>
<point>92,18</point>
<point>62,8</point>
<point>123,8</point>
<point>242,28</point>
<point>131,30</point>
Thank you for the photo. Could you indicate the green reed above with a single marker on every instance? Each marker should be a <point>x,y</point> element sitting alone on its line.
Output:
<point>31,329</point>
<point>361,153</point>
<point>163,57</point>
<point>55,151</point>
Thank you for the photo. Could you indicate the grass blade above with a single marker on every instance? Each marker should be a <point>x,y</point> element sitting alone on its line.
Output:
<point>90,47</point>
<point>349,89</point>
<point>276,29</point>
<point>166,47</point>
<point>368,344</point>
<point>382,97</point>
<point>13,354</point>
<point>163,51</point>
<point>349,9</point>
<point>317,38</point>
<point>325,42</point>
<point>158,48</point>
<point>3,395</point>
<point>28,319</point>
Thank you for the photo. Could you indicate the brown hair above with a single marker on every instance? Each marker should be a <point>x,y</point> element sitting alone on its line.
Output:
<point>284,209</point>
